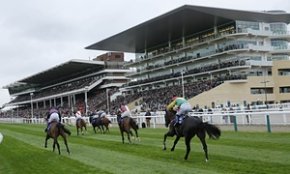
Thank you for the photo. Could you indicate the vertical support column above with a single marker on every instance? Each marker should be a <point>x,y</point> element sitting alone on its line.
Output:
<point>108,100</point>
<point>183,36</point>
<point>31,104</point>
<point>86,100</point>
<point>44,104</point>
<point>61,101</point>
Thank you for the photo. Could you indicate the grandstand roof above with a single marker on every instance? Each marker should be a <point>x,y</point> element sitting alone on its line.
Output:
<point>60,72</point>
<point>183,21</point>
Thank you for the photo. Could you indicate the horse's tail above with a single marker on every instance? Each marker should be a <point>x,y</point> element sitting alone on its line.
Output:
<point>133,123</point>
<point>61,126</point>
<point>213,131</point>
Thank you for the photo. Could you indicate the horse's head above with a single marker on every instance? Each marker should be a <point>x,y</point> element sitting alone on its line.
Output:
<point>169,116</point>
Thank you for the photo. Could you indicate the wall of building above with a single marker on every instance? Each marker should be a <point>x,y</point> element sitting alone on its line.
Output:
<point>111,56</point>
<point>238,91</point>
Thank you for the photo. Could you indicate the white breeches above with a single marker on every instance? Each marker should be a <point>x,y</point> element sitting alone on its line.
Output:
<point>126,114</point>
<point>184,109</point>
<point>53,116</point>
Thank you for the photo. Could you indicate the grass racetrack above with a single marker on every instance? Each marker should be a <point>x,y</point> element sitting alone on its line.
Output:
<point>22,151</point>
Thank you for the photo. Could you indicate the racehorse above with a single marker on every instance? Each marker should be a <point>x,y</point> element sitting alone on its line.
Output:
<point>57,129</point>
<point>125,125</point>
<point>100,123</point>
<point>80,124</point>
<point>190,127</point>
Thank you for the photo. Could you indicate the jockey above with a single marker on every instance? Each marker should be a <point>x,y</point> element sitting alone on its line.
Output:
<point>53,115</point>
<point>101,114</point>
<point>125,111</point>
<point>181,106</point>
<point>78,115</point>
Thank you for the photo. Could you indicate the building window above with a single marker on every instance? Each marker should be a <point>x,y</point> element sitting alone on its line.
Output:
<point>285,89</point>
<point>284,72</point>
<point>261,90</point>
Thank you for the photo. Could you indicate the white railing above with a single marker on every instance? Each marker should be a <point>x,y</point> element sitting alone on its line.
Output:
<point>276,117</point>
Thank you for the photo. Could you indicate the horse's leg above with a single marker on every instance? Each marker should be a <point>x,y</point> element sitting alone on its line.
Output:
<point>65,142</point>
<point>131,134</point>
<point>99,128</point>
<point>187,143</point>
<point>94,127</point>
<point>201,136</point>
<point>164,141</point>
<point>107,128</point>
<point>175,142</point>
<point>169,133</point>
<point>102,129</point>
<point>54,143</point>
<point>77,131</point>
<point>136,133</point>
<point>128,136</point>
<point>45,143</point>
<point>57,144</point>
<point>82,131</point>
<point>122,134</point>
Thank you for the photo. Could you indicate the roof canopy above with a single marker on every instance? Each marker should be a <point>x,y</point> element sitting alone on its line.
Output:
<point>183,21</point>
<point>61,72</point>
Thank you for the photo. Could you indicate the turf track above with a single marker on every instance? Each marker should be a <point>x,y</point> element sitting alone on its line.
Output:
<point>22,151</point>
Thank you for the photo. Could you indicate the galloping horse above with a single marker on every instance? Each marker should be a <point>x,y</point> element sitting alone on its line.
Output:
<point>57,129</point>
<point>80,124</point>
<point>125,125</point>
<point>190,127</point>
<point>100,123</point>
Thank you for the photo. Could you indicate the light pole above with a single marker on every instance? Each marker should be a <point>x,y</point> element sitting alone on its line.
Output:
<point>86,99</point>
<point>265,91</point>
<point>265,72</point>
<point>31,104</point>
<point>108,98</point>
<point>182,83</point>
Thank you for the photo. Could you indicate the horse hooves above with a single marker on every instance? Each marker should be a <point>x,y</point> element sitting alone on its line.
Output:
<point>164,148</point>
<point>172,150</point>
<point>206,160</point>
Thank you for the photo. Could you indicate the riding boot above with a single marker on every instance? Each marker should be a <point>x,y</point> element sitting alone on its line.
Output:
<point>177,124</point>
<point>177,119</point>
<point>46,129</point>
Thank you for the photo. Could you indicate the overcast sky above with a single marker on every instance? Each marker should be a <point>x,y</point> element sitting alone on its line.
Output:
<point>36,35</point>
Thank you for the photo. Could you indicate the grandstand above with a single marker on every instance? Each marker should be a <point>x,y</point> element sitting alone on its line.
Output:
<point>84,85</point>
<point>212,56</point>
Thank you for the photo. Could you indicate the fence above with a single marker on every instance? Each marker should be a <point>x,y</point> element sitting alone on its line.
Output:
<point>264,118</point>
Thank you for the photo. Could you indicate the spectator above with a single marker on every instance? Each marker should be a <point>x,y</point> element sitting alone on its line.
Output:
<point>147,114</point>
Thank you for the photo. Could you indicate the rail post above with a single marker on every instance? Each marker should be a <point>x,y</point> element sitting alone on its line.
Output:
<point>268,123</point>
<point>235,123</point>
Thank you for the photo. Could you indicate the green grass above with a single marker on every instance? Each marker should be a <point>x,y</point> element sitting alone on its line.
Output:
<point>22,151</point>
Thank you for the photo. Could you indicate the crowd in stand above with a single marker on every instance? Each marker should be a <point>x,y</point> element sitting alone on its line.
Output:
<point>155,99</point>
<point>77,84</point>
<point>193,71</point>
